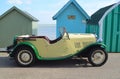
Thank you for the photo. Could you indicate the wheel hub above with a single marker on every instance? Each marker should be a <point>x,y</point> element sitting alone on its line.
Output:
<point>25,57</point>
<point>98,57</point>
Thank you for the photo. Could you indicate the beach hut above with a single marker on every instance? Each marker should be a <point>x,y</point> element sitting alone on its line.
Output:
<point>72,17</point>
<point>16,22</point>
<point>106,24</point>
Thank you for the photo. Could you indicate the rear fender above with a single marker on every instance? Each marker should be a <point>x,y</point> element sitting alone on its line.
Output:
<point>26,44</point>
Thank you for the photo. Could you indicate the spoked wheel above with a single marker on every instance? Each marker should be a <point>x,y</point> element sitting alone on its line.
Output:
<point>97,57</point>
<point>24,57</point>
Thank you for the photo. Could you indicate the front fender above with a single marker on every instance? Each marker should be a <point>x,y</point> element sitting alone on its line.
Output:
<point>86,50</point>
<point>28,44</point>
<point>99,45</point>
<point>94,45</point>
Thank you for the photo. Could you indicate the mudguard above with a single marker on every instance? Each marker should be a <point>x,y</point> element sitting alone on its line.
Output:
<point>86,50</point>
<point>28,44</point>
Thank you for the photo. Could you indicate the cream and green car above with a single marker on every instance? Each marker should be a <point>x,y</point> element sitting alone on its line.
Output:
<point>27,49</point>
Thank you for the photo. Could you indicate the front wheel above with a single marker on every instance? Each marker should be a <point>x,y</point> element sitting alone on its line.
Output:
<point>97,57</point>
<point>24,57</point>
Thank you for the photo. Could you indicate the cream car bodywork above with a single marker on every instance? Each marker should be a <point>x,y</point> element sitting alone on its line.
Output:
<point>66,47</point>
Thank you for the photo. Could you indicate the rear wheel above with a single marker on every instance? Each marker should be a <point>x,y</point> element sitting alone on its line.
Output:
<point>24,56</point>
<point>97,57</point>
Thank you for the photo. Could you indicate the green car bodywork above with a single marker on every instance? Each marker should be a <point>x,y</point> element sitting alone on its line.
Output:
<point>64,47</point>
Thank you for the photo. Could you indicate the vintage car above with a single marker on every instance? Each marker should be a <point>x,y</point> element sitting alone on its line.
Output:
<point>26,49</point>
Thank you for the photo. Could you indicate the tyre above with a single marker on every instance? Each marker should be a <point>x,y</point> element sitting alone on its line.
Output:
<point>97,57</point>
<point>24,57</point>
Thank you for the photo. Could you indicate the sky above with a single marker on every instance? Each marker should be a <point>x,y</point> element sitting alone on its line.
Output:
<point>44,10</point>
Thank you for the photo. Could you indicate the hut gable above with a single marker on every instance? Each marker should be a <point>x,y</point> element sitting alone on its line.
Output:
<point>67,5</point>
<point>25,14</point>
<point>95,18</point>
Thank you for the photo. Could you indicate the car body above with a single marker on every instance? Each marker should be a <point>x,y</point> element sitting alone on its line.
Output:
<point>26,48</point>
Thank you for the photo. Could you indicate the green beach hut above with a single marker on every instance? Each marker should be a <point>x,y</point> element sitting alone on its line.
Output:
<point>106,24</point>
<point>16,22</point>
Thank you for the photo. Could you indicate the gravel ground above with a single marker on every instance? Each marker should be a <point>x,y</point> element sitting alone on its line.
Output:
<point>67,69</point>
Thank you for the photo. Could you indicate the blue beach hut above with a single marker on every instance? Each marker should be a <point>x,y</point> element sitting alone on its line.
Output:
<point>72,17</point>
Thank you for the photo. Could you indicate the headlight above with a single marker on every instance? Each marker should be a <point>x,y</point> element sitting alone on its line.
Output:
<point>96,37</point>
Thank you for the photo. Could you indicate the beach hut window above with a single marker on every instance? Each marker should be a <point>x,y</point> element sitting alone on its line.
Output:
<point>71,17</point>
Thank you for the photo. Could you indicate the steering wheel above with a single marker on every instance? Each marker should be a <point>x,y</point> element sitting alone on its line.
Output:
<point>64,32</point>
